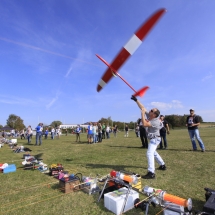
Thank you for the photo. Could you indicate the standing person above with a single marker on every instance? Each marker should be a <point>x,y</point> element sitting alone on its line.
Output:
<point>103,131</point>
<point>115,129</point>
<point>137,131</point>
<point>58,132</point>
<point>22,134</point>
<point>192,124</point>
<point>95,133</point>
<point>99,132</point>
<point>78,131</point>
<point>126,130</point>
<point>16,133</point>
<point>108,131</point>
<point>52,133</point>
<point>90,133</point>
<point>66,132</point>
<point>39,130</point>
<point>29,134</point>
<point>163,131</point>
<point>46,133</point>
<point>143,134</point>
<point>12,132</point>
<point>153,125</point>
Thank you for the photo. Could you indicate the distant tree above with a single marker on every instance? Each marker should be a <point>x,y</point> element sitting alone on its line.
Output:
<point>131,125</point>
<point>56,124</point>
<point>107,121</point>
<point>1,126</point>
<point>15,122</point>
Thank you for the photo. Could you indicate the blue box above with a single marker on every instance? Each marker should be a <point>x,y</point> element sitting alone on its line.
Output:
<point>10,168</point>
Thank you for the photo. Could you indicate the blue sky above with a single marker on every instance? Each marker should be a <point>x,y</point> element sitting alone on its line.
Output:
<point>49,70</point>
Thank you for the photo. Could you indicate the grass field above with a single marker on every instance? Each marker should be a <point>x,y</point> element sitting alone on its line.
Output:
<point>31,192</point>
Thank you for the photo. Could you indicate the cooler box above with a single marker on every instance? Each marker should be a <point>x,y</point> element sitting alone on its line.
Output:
<point>114,201</point>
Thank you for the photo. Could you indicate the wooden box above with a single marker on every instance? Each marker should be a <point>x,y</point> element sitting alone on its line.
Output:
<point>69,186</point>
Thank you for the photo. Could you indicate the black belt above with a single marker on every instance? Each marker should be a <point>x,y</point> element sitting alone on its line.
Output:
<point>154,137</point>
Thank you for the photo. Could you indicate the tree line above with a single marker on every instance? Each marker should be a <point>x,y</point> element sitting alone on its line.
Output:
<point>178,120</point>
<point>173,120</point>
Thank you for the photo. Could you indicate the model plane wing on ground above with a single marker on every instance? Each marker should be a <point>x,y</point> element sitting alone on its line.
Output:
<point>129,48</point>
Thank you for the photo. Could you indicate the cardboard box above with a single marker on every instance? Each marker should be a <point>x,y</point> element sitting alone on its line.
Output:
<point>114,201</point>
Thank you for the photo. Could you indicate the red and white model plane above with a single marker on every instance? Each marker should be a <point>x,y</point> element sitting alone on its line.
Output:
<point>130,47</point>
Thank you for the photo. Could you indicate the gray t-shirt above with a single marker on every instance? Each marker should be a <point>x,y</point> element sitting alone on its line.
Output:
<point>154,129</point>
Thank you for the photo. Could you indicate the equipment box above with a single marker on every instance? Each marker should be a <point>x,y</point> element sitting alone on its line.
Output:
<point>114,201</point>
<point>69,186</point>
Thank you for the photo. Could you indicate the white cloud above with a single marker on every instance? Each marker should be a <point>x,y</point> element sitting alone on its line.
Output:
<point>16,100</point>
<point>207,77</point>
<point>53,100</point>
<point>68,72</point>
<point>174,104</point>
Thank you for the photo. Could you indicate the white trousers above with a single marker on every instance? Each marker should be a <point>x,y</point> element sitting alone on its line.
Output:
<point>152,154</point>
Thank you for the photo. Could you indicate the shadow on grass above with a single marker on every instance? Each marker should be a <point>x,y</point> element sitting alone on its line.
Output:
<point>197,204</point>
<point>186,150</point>
<point>111,166</point>
<point>134,147</point>
<point>56,187</point>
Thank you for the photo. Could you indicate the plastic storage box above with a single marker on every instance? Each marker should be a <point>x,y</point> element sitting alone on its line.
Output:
<point>10,168</point>
<point>114,201</point>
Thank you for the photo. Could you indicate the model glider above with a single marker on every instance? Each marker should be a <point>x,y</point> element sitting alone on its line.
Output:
<point>130,47</point>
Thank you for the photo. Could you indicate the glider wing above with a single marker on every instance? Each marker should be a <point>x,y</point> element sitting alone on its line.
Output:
<point>130,47</point>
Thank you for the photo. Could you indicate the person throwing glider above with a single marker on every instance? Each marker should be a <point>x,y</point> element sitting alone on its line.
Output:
<point>153,126</point>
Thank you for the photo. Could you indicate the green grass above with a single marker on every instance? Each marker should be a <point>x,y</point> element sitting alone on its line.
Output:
<point>27,191</point>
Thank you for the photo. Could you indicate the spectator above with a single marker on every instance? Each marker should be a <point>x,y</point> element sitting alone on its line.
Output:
<point>137,132</point>
<point>58,132</point>
<point>108,131</point>
<point>103,131</point>
<point>66,132</point>
<point>143,135</point>
<point>95,133</point>
<point>115,129</point>
<point>52,133</point>
<point>39,130</point>
<point>78,131</point>
<point>192,124</point>
<point>22,134</point>
<point>29,134</point>
<point>90,133</point>
<point>99,133</point>
<point>163,131</point>
<point>12,133</point>
<point>126,130</point>
<point>46,133</point>
<point>3,133</point>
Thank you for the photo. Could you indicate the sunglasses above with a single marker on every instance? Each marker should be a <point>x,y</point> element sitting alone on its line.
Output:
<point>151,111</point>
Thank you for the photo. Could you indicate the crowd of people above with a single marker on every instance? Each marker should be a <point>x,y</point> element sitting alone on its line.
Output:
<point>96,132</point>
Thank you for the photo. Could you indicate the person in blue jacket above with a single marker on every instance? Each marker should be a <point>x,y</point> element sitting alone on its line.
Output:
<point>39,130</point>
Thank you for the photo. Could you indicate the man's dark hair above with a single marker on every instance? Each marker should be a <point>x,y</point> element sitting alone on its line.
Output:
<point>157,113</point>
